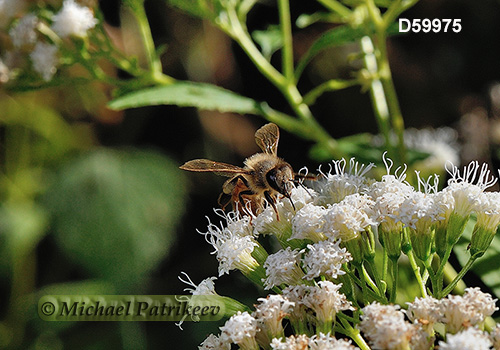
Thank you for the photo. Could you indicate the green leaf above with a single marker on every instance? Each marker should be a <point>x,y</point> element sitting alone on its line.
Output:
<point>269,40</point>
<point>198,8</point>
<point>335,37</point>
<point>115,212</point>
<point>188,94</point>
<point>486,267</point>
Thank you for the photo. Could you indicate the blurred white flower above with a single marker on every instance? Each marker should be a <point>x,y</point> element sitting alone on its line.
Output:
<point>45,60</point>
<point>23,33</point>
<point>440,143</point>
<point>73,20</point>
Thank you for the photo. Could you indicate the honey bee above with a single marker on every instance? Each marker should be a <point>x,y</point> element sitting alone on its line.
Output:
<point>261,180</point>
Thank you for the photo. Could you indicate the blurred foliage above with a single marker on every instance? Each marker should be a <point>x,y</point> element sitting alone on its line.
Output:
<point>80,213</point>
<point>114,212</point>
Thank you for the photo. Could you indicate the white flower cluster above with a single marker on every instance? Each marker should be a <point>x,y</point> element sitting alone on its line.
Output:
<point>323,233</point>
<point>264,326</point>
<point>40,39</point>
<point>385,326</point>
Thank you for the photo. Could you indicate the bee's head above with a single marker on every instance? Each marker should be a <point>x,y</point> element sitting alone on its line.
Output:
<point>281,179</point>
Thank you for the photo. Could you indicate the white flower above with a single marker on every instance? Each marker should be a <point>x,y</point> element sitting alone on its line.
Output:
<point>385,327</point>
<point>487,210</point>
<point>345,221</point>
<point>389,195</point>
<point>266,222</point>
<point>328,342</point>
<point>482,302</point>
<point>325,258</point>
<point>469,339</point>
<point>468,310</point>
<point>293,342</point>
<point>206,287</point>
<point>240,329</point>
<point>419,211</point>
<point>326,300</point>
<point>466,187</point>
<point>283,267</point>
<point>73,19</point>
<point>309,223</point>
<point>44,58</point>
<point>339,182</point>
<point>23,33</point>
<point>4,72</point>
<point>270,312</point>
<point>427,310</point>
<point>297,294</point>
<point>213,342</point>
<point>232,250</point>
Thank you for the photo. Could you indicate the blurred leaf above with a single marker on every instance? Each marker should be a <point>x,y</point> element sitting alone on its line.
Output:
<point>305,19</point>
<point>199,8</point>
<point>115,212</point>
<point>485,267</point>
<point>24,223</point>
<point>188,94</point>
<point>337,36</point>
<point>269,40</point>
<point>54,136</point>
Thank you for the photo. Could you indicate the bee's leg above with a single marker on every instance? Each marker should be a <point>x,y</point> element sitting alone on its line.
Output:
<point>231,183</point>
<point>224,200</point>
<point>272,201</point>
<point>242,203</point>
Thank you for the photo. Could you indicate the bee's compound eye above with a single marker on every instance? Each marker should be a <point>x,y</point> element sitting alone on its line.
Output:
<point>272,180</point>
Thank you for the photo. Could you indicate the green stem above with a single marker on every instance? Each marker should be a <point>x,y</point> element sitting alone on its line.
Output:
<point>330,85</point>
<point>395,276</point>
<point>383,91</point>
<point>286,33</point>
<point>432,275</point>
<point>458,277</point>
<point>336,7</point>
<point>310,128</point>
<point>443,262</point>
<point>396,9</point>
<point>377,96</point>
<point>149,46</point>
<point>416,272</point>
<point>354,334</point>
<point>380,285</point>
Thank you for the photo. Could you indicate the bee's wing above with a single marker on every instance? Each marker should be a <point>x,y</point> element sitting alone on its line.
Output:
<point>267,138</point>
<point>205,165</point>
